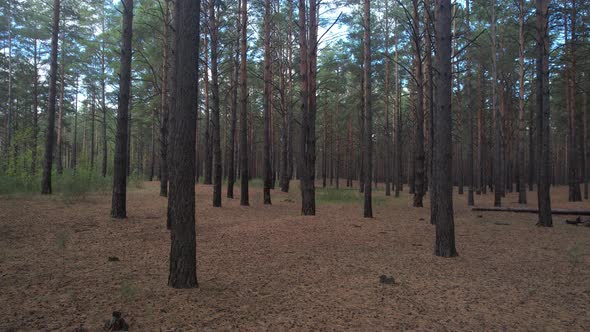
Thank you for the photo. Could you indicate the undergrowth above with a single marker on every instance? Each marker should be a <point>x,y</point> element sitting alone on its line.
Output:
<point>346,196</point>
<point>69,185</point>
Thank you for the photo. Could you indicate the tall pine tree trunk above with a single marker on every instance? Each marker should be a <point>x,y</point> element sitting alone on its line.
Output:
<point>308,29</point>
<point>543,114</point>
<point>573,167</point>
<point>585,143</point>
<point>244,199</point>
<point>443,142</point>
<point>470,110</point>
<point>231,174</point>
<point>62,74</point>
<point>168,99</point>
<point>368,149</point>
<point>521,125</point>
<point>50,136</point>
<point>388,148</point>
<point>118,207</point>
<point>215,123</point>
<point>75,139</point>
<point>419,114</point>
<point>35,132</point>
<point>498,184</point>
<point>208,174</point>
<point>183,120</point>
<point>266,106</point>
<point>103,98</point>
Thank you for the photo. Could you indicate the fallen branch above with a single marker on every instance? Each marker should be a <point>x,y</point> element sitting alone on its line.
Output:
<point>532,210</point>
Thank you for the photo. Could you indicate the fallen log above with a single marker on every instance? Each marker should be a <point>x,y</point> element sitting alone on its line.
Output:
<point>532,210</point>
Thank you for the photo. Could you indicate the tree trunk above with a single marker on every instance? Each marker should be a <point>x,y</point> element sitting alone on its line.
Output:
<point>573,167</point>
<point>459,162</point>
<point>103,98</point>
<point>308,69</point>
<point>419,114</point>
<point>49,140</point>
<point>35,133</point>
<point>244,199</point>
<point>183,119</point>
<point>75,139</point>
<point>521,125</point>
<point>543,114</point>
<point>92,130</point>
<point>584,144</point>
<point>168,99</point>
<point>118,208</point>
<point>231,175</point>
<point>470,110</point>
<point>498,186</point>
<point>428,88</point>
<point>62,74</point>
<point>208,174</point>
<point>325,149</point>
<point>287,149</point>
<point>8,140</point>
<point>443,142</point>
<point>397,126</point>
<point>388,141</point>
<point>266,105</point>
<point>215,123</point>
<point>368,149</point>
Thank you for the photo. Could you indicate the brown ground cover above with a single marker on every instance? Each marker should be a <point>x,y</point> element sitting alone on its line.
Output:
<point>268,268</point>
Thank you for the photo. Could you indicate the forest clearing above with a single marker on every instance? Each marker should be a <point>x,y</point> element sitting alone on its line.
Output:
<point>294,165</point>
<point>269,268</point>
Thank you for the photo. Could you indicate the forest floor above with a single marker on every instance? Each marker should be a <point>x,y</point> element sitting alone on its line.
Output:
<point>269,268</point>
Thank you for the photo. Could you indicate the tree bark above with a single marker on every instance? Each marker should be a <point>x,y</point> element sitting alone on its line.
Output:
<point>231,175</point>
<point>8,140</point>
<point>183,119</point>
<point>521,125</point>
<point>62,74</point>
<point>498,185</point>
<point>244,199</point>
<point>92,130</point>
<point>35,133</point>
<point>118,207</point>
<point>75,139</point>
<point>266,105</point>
<point>443,142</point>
<point>470,111</point>
<point>397,126</point>
<point>215,123</point>
<point>585,143</point>
<point>103,97</point>
<point>368,209</point>
<point>574,194</point>
<point>308,26</point>
<point>208,169</point>
<point>543,114</point>
<point>168,98</point>
<point>49,140</point>
<point>287,134</point>
<point>388,140</point>
<point>419,111</point>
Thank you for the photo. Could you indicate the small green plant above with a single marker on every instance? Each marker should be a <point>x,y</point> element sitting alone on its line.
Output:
<point>127,291</point>
<point>135,180</point>
<point>575,254</point>
<point>71,184</point>
<point>344,196</point>
<point>61,242</point>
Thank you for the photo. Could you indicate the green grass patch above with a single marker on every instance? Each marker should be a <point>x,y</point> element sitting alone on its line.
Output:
<point>344,196</point>
<point>69,185</point>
